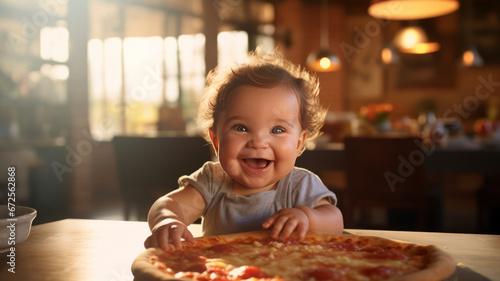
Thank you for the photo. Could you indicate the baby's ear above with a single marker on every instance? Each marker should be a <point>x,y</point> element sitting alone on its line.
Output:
<point>215,142</point>
<point>301,142</point>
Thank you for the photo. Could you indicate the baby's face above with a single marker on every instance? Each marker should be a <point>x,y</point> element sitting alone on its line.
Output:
<point>259,136</point>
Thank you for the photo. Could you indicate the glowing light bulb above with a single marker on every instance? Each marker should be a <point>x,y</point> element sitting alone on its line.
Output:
<point>410,39</point>
<point>387,56</point>
<point>325,63</point>
<point>425,48</point>
<point>468,58</point>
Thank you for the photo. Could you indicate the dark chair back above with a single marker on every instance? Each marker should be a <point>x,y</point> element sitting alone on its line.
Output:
<point>386,173</point>
<point>149,167</point>
<point>327,163</point>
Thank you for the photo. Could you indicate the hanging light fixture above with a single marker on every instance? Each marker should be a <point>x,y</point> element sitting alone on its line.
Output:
<point>411,9</point>
<point>471,57</point>
<point>388,55</point>
<point>414,40</point>
<point>324,60</point>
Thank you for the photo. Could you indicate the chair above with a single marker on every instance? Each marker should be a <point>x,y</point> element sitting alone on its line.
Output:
<point>389,174</point>
<point>489,205</point>
<point>327,163</point>
<point>149,167</point>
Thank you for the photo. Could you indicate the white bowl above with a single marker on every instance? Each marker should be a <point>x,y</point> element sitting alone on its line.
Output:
<point>15,229</point>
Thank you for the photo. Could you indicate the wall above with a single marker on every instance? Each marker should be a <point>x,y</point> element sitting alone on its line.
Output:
<point>298,34</point>
<point>358,39</point>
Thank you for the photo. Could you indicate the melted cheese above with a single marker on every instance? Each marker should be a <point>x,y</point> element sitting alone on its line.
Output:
<point>290,262</point>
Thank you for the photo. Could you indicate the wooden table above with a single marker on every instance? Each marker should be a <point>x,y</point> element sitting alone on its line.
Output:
<point>93,250</point>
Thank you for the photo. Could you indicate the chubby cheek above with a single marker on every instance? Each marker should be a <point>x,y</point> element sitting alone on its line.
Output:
<point>287,148</point>
<point>231,168</point>
<point>228,151</point>
<point>230,164</point>
<point>288,158</point>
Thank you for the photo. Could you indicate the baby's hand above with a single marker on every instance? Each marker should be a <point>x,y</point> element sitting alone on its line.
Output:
<point>169,231</point>
<point>286,221</point>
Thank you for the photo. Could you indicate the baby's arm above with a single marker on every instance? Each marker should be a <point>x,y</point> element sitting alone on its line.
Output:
<point>324,217</point>
<point>170,215</point>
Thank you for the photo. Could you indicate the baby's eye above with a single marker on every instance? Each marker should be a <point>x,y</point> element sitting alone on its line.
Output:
<point>278,130</point>
<point>240,128</point>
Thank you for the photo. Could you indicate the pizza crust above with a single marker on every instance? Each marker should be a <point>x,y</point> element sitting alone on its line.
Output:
<point>440,264</point>
<point>145,271</point>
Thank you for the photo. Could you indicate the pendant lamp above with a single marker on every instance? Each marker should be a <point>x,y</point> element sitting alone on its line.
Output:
<point>411,9</point>
<point>324,60</point>
<point>471,57</point>
<point>388,55</point>
<point>414,40</point>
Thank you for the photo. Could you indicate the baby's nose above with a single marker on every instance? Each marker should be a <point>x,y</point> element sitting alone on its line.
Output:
<point>258,141</point>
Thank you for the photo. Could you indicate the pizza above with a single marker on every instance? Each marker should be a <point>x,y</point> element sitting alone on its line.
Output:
<point>319,256</point>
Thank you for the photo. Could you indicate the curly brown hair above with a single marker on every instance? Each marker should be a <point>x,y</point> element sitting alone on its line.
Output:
<point>263,71</point>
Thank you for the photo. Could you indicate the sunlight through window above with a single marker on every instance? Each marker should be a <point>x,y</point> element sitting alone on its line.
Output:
<point>156,72</point>
<point>232,46</point>
<point>143,69</point>
<point>105,86</point>
<point>172,71</point>
<point>112,68</point>
<point>95,68</point>
<point>54,44</point>
<point>192,67</point>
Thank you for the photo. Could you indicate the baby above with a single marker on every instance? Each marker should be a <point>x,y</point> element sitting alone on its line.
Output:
<point>258,117</point>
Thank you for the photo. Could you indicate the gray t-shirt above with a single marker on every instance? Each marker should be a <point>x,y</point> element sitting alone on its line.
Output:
<point>225,213</point>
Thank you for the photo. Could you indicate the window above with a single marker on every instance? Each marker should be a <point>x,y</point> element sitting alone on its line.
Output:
<point>140,83</point>
<point>232,46</point>
<point>192,68</point>
<point>105,87</point>
<point>126,96</point>
<point>54,43</point>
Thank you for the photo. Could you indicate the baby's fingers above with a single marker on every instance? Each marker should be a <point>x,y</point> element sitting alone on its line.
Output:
<point>149,242</point>
<point>176,232</point>
<point>270,221</point>
<point>278,226</point>
<point>163,241</point>
<point>188,236</point>
<point>286,229</point>
<point>301,231</point>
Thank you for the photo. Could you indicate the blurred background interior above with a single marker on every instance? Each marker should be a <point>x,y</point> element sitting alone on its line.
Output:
<point>77,75</point>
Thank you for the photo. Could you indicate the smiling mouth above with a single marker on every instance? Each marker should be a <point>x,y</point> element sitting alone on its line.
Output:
<point>257,163</point>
